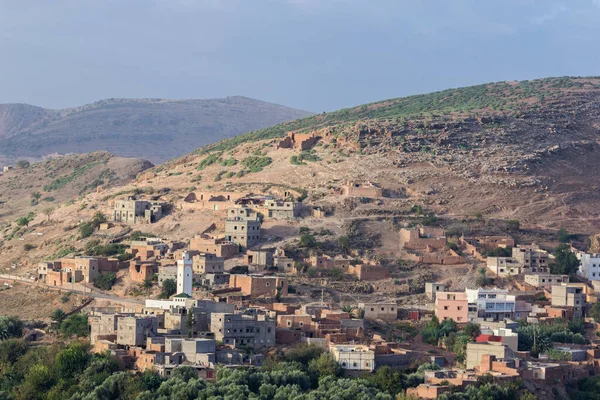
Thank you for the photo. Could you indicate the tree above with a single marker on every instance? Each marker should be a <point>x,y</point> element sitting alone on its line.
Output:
<point>307,240</point>
<point>58,316</point>
<point>105,281</point>
<point>23,221</point>
<point>23,164</point>
<point>99,218</point>
<point>482,279</point>
<point>75,325</point>
<point>35,198</point>
<point>324,365</point>
<point>169,287</point>
<point>565,261</point>
<point>71,361</point>
<point>10,327</point>
<point>48,211</point>
<point>471,330</point>
<point>563,235</point>
<point>595,312</point>
<point>147,284</point>
<point>86,230</point>
<point>344,242</point>
<point>513,225</point>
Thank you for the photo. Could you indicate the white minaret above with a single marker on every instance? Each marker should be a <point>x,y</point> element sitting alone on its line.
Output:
<point>184,274</point>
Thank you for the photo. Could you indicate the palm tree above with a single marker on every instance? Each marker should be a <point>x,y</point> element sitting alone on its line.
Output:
<point>48,212</point>
<point>147,284</point>
<point>58,316</point>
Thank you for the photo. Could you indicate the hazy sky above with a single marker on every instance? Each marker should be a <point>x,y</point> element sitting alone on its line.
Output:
<point>317,55</point>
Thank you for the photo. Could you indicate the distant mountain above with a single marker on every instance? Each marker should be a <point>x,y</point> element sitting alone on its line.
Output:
<point>154,129</point>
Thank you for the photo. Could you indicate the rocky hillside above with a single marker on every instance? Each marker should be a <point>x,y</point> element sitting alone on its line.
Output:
<point>522,150</point>
<point>154,129</point>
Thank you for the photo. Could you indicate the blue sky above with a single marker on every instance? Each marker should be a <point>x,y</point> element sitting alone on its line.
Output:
<point>317,55</point>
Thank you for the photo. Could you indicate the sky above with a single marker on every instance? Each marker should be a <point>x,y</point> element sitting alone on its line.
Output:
<point>316,55</point>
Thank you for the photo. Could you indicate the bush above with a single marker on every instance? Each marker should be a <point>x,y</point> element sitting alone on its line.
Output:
<point>105,281</point>
<point>23,164</point>
<point>513,225</point>
<point>256,163</point>
<point>75,325</point>
<point>86,230</point>
<point>308,241</point>
<point>239,269</point>
<point>28,247</point>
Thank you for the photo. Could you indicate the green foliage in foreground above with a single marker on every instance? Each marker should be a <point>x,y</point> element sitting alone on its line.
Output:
<point>105,281</point>
<point>307,373</point>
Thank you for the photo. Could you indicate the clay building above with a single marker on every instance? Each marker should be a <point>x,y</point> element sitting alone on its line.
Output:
<point>148,248</point>
<point>422,238</point>
<point>136,211</point>
<point>217,246</point>
<point>215,201</point>
<point>367,272</point>
<point>367,189</point>
<point>278,209</point>
<point>139,271</point>
<point>258,285</point>
<point>242,227</point>
<point>77,269</point>
<point>301,141</point>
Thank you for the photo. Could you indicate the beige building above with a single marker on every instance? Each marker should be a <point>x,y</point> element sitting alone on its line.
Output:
<point>569,295</point>
<point>504,266</point>
<point>431,288</point>
<point>475,351</point>
<point>136,211</point>
<point>383,311</point>
<point>242,227</point>
<point>531,257</point>
<point>206,263</point>
<point>133,331</point>
<point>545,280</point>
<point>282,209</point>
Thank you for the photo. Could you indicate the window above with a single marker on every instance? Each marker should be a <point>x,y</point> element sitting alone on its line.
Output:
<point>372,309</point>
<point>445,308</point>
<point>459,308</point>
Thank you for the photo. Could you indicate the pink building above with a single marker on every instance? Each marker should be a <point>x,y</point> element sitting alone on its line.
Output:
<point>452,305</point>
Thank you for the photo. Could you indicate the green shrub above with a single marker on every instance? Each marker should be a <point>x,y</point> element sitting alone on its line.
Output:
<point>105,281</point>
<point>256,163</point>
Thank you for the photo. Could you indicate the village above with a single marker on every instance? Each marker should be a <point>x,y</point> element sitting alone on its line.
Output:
<point>229,297</point>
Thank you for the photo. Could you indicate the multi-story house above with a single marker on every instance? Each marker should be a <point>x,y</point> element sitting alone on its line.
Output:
<point>242,226</point>
<point>490,304</point>
<point>256,331</point>
<point>531,257</point>
<point>571,296</point>
<point>451,305</point>
<point>589,266</point>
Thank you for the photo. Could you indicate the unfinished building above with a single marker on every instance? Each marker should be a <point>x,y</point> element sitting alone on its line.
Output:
<point>217,246</point>
<point>258,285</point>
<point>301,141</point>
<point>136,211</point>
<point>422,238</point>
<point>242,227</point>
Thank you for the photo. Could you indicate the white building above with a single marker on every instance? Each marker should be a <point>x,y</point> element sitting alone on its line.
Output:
<point>185,274</point>
<point>504,266</point>
<point>490,304</point>
<point>354,357</point>
<point>589,266</point>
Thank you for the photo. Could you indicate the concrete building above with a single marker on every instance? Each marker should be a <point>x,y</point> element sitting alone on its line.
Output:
<point>258,285</point>
<point>476,351</point>
<point>354,357</point>
<point>504,266</point>
<point>452,305</point>
<point>242,227</point>
<point>589,267</point>
<point>136,211</point>
<point>277,209</point>
<point>263,258</point>
<point>256,331</point>
<point>500,335</point>
<point>569,295</point>
<point>490,304</point>
<point>531,257</point>
<point>383,311</point>
<point>431,288</point>
<point>133,331</point>
<point>545,280</point>
<point>207,263</point>
<point>185,275</point>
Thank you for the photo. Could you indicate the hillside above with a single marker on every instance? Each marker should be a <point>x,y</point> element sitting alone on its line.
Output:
<point>154,129</point>
<point>473,156</point>
<point>524,150</point>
